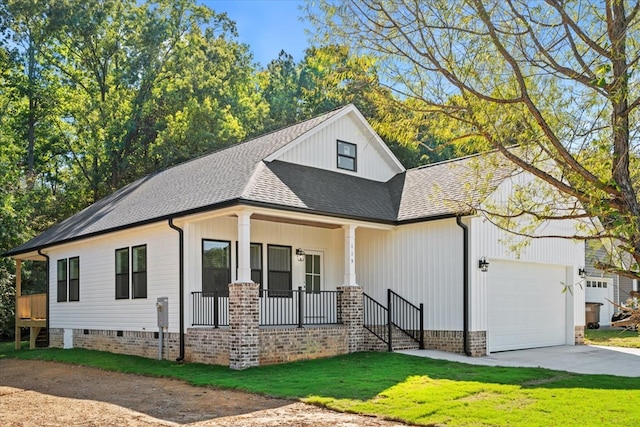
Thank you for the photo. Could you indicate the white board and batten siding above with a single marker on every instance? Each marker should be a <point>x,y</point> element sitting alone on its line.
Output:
<point>421,262</point>
<point>328,242</point>
<point>319,150</point>
<point>98,308</point>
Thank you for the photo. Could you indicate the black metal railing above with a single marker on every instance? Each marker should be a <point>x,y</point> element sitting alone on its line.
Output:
<point>406,316</point>
<point>376,319</point>
<point>299,308</point>
<point>210,309</point>
<point>277,308</point>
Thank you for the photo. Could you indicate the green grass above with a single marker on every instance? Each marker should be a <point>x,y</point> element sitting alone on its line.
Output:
<point>612,337</point>
<point>411,389</point>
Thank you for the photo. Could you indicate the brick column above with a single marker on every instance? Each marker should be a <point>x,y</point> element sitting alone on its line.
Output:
<point>351,307</point>
<point>244,325</point>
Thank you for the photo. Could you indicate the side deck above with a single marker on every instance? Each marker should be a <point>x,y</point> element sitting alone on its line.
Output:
<point>31,312</point>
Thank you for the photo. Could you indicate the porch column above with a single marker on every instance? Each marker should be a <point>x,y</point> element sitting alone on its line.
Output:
<point>244,325</point>
<point>244,243</point>
<point>351,307</point>
<point>349,255</point>
<point>18,294</point>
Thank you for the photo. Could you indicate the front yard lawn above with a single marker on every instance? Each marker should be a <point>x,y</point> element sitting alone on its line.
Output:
<point>410,389</point>
<point>612,337</point>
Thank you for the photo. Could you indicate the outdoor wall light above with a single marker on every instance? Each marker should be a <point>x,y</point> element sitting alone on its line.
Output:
<point>582,272</point>
<point>483,264</point>
<point>300,254</point>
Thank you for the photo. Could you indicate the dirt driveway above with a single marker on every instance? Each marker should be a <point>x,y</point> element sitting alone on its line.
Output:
<point>35,393</point>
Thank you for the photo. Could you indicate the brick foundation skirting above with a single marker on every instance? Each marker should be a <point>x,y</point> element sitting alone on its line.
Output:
<point>134,343</point>
<point>453,342</point>
<point>205,345</point>
<point>282,345</point>
<point>579,335</point>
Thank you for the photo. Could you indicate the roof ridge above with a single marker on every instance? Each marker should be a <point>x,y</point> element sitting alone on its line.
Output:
<point>460,159</point>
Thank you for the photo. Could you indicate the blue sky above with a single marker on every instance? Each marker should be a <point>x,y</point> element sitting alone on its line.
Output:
<point>267,26</point>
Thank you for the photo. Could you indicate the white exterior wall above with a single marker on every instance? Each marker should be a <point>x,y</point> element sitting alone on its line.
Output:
<point>98,307</point>
<point>328,242</point>
<point>487,240</point>
<point>421,262</point>
<point>320,151</point>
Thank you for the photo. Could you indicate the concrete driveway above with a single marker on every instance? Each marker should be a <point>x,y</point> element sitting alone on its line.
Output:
<point>581,359</point>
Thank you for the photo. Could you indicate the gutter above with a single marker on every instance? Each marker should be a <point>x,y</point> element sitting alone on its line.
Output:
<point>181,279</point>
<point>46,257</point>
<point>465,284</point>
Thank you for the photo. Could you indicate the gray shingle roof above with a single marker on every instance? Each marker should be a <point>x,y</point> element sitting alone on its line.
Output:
<point>306,188</point>
<point>238,174</point>
<point>209,180</point>
<point>452,187</point>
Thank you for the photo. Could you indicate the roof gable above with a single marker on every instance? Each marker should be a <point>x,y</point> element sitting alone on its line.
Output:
<point>318,147</point>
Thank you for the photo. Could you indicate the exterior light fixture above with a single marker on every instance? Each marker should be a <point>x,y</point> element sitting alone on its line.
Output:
<point>582,272</point>
<point>483,264</point>
<point>300,254</point>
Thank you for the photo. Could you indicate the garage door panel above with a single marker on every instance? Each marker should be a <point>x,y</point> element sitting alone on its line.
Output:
<point>526,306</point>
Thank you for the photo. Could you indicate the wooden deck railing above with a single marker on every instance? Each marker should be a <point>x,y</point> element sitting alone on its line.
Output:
<point>31,306</point>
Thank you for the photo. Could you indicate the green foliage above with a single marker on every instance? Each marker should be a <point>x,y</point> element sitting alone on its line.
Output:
<point>560,82</point>
<point>7,303</point>
<point>405,388</point>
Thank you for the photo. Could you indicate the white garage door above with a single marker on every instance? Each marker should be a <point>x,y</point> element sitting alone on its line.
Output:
<point>526,306</point>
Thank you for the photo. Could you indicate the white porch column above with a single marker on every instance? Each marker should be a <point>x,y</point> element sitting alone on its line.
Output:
<point>350,255</point>
<point>244,242</point>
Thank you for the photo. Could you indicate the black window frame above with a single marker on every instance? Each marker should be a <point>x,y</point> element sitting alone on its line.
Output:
<point>341,155</point>
<point>219,290</point>
<point>271,274</point>
<point>74,282</point>
<point>121,283</point>
<point>62,282</point>
<point>138,278</point>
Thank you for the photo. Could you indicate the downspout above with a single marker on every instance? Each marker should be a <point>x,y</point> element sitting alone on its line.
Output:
<point>465,284</point>
<point>46,257</point>
<point>181,280</point>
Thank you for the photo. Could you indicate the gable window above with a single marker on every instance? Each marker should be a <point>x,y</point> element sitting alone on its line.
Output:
<point>74,279</point>
<point>347,156</point>
<point>62,280</point>
<point>139,271</point>
<point>216,267</point>
<point>279,270</point>
<point>122,273</point>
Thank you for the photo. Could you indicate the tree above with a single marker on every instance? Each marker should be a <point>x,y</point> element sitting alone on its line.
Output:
<point>559,78</point>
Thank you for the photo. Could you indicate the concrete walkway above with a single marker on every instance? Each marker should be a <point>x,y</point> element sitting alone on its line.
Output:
<point>581,359</point>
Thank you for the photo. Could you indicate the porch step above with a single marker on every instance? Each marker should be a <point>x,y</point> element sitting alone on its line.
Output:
<point>399,340</point>
<point>41,340</point>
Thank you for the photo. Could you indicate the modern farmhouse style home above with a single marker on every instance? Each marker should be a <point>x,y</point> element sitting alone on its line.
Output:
<point>309,241</point>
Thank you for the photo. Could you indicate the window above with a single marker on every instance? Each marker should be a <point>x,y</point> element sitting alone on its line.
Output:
<point>312,273</point>
<point>74,279</point>
<point>347,156</point>
<point>62,280</point>
<point>122,273</point>
<point>279,270</point>
<point>216,267</point>
<point>139,271</point>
